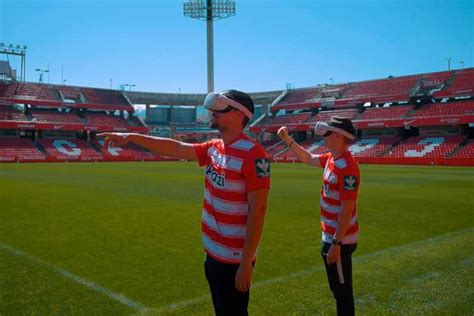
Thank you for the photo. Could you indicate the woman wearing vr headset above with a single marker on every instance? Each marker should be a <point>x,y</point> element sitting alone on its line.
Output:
<point>237,181</point>
<point>339,192</point>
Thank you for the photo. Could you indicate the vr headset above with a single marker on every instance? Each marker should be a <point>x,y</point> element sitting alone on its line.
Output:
<point>218,102</point>
<point>325,129</point>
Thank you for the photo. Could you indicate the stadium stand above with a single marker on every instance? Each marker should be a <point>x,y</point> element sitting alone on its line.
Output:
<point>129,151</point>
<point>53,116</point>
<point>431,146</point>
<point>105,119</point>
<point>276,148</point>
<point>396,88</point>
<point>10,114</point>
<point>373,146</point>
<point>385,113</point>
<point>325,116</point>
<point>446,109</point>
<point>462,84</point>
<point>70,149</point>
<point>466,151</point>
<point>60,95</point>
<point>101,96</point>
<point>440,104</point>
<point>13,149</point>
<point>300,96</point>
<point>287,119</point>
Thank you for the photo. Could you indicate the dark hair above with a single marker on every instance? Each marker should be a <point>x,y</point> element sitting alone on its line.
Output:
<point>244,99</point>
<point>345,124</point>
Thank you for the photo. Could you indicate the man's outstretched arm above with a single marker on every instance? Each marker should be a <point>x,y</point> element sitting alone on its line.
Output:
<point>158,145</point>
<point>302,154</point>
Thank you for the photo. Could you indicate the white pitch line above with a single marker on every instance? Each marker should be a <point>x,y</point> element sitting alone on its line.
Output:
<point>89,284</point>
<point>309,271</point>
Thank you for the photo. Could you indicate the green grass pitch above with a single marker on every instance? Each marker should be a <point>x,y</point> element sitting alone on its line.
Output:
<point>124,238</point>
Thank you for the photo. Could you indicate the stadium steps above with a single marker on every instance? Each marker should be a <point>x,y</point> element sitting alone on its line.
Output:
<point>389,149</point>
<point>411,113</point>
<point>139,121</point>
<point>458,148</point>
<point>415,91</point>
<point>313,146</point>
<point>40,148</point>
<point>450,80</point>
<point>56,94</point>
<point>274,145</point>
<point>95,147</point>
<point>258,120</point>
<point>310,118</point>
<point>356,116</point>
<point>125,96</point>
<point>284,150</point>
<point>15,92</point>
<point>348,90</point>
<point>82,118</point>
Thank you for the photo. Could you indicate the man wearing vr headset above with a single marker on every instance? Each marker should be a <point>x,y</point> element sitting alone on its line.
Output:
<point>237,181</point>
<point>340,228</point>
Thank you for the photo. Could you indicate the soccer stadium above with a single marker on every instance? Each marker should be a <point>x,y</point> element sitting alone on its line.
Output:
<point>422,119</point>
<point>90,229</point>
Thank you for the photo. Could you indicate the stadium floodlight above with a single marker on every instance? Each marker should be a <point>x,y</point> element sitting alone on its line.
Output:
<point>124,85</point>
<point>17,50</point>
<point>209,11</point>
<point>41,71</point>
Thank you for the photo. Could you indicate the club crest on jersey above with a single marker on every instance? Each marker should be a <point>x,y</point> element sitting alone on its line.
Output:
<point>263,167</point>
<point>326,189</point>
<point>216,178</point>
<point>350,183</point>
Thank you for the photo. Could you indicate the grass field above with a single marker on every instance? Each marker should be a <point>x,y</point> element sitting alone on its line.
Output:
<point>124,238</point>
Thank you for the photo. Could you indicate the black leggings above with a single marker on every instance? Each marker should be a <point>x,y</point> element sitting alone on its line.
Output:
<point>342,291</point>
<point>225,297</point>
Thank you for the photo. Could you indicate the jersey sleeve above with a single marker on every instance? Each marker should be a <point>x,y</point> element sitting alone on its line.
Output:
<point>349,183</point>
<point>201,151</point>
<point>256,171</point>
<point>323,159</point>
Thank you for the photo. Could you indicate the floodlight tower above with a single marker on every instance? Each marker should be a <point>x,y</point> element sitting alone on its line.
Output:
<point>17,50</point>
<point>209,11</point>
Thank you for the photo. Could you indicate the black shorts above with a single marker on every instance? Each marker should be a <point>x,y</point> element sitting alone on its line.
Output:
<point>226,298</point>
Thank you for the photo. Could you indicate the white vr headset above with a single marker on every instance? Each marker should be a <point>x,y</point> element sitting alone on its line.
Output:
<point>322,128</point>
<point>218,102</point>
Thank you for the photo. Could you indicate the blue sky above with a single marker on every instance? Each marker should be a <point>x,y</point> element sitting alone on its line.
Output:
<point>267,44</point>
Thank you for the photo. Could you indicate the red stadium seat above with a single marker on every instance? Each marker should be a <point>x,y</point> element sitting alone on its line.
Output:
<point>19,148</point>
<point>128,151</point>
<point>466,151</point>
<point>53,116</point>
<point>385,113</point>
<point>106,119</point>
<point>7,113</point>
<point>372,146</point>
<point>429,146</point>
<point>70,149</point>
<point>287,119</point>
<point>463,84</point>
<point>446,109</point>
<point>398,87</point>
<point>325,116</point>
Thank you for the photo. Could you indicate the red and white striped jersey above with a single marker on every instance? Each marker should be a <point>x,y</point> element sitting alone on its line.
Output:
<point>341,179</point>
<point>231,171</point>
